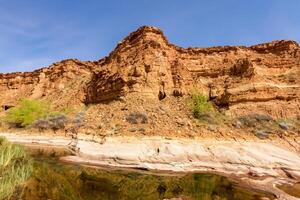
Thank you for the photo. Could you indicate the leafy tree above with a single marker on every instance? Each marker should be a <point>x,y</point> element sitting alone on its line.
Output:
<point>27,112</point>
<point>200,104</point>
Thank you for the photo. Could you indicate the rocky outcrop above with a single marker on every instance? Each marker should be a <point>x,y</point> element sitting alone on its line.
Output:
<point>263,78</point>
<point>62,83</point>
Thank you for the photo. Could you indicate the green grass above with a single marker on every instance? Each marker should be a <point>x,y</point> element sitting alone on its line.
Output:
<point>200,104</point>
<point>15,167</point>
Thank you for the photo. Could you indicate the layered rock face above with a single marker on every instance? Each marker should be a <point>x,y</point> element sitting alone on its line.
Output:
<point>62,84</point>
<point>263,78</point>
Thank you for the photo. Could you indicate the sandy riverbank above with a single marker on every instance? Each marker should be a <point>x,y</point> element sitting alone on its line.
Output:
<point>257,164</point>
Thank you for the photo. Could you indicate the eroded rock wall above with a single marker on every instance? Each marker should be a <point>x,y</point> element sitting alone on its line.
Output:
<point>263,78</point>
<point>62,84</point>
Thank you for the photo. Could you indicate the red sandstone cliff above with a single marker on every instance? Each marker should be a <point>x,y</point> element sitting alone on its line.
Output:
<point>263,78</point>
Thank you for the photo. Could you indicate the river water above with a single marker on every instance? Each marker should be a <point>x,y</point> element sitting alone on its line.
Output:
<point>55,180</point>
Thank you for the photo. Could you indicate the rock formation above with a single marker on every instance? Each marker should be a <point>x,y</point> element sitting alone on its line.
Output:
<point>263,78</point>
<point>62,83</point>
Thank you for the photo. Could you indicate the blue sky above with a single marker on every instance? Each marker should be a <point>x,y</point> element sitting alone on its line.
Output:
<point>36,33</point>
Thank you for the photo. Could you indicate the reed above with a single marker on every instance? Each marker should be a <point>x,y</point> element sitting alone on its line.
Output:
<point>15,167</point>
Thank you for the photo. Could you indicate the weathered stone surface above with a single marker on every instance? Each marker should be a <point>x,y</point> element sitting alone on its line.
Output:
<point>244,158</point>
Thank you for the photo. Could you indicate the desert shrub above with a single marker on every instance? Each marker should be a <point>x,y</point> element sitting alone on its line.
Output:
<point>79,119</point>
<point>15,167</point>
<point>27,112</point>
<point>288,124</point>
<point>252,120</point>
<point>262,134</point>
<point>200,105</point>
<point>58,121</point>
<point>137,117</point>
<point>41,124</point>
<point>284,125</point>
<point>54,122</point>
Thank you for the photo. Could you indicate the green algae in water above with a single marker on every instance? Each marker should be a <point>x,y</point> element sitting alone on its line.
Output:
<point>54,180</point>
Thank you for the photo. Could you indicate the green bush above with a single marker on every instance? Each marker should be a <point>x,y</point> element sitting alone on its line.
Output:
<point>27,112</point>
<point>200,104</point>
<point>15,167</point>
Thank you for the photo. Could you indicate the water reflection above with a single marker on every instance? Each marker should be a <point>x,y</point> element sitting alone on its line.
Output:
<point>57,181</point>
<point>293,190</point>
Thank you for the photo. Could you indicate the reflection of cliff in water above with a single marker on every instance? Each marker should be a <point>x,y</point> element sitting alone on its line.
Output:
<point>53,180</point>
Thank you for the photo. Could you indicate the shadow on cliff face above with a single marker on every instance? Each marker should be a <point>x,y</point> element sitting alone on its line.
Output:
<point>104,87</point>
<point>242,68</point>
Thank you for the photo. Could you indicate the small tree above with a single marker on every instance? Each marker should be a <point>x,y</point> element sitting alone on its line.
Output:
<point>27,112</point>
<point>200,104</point>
